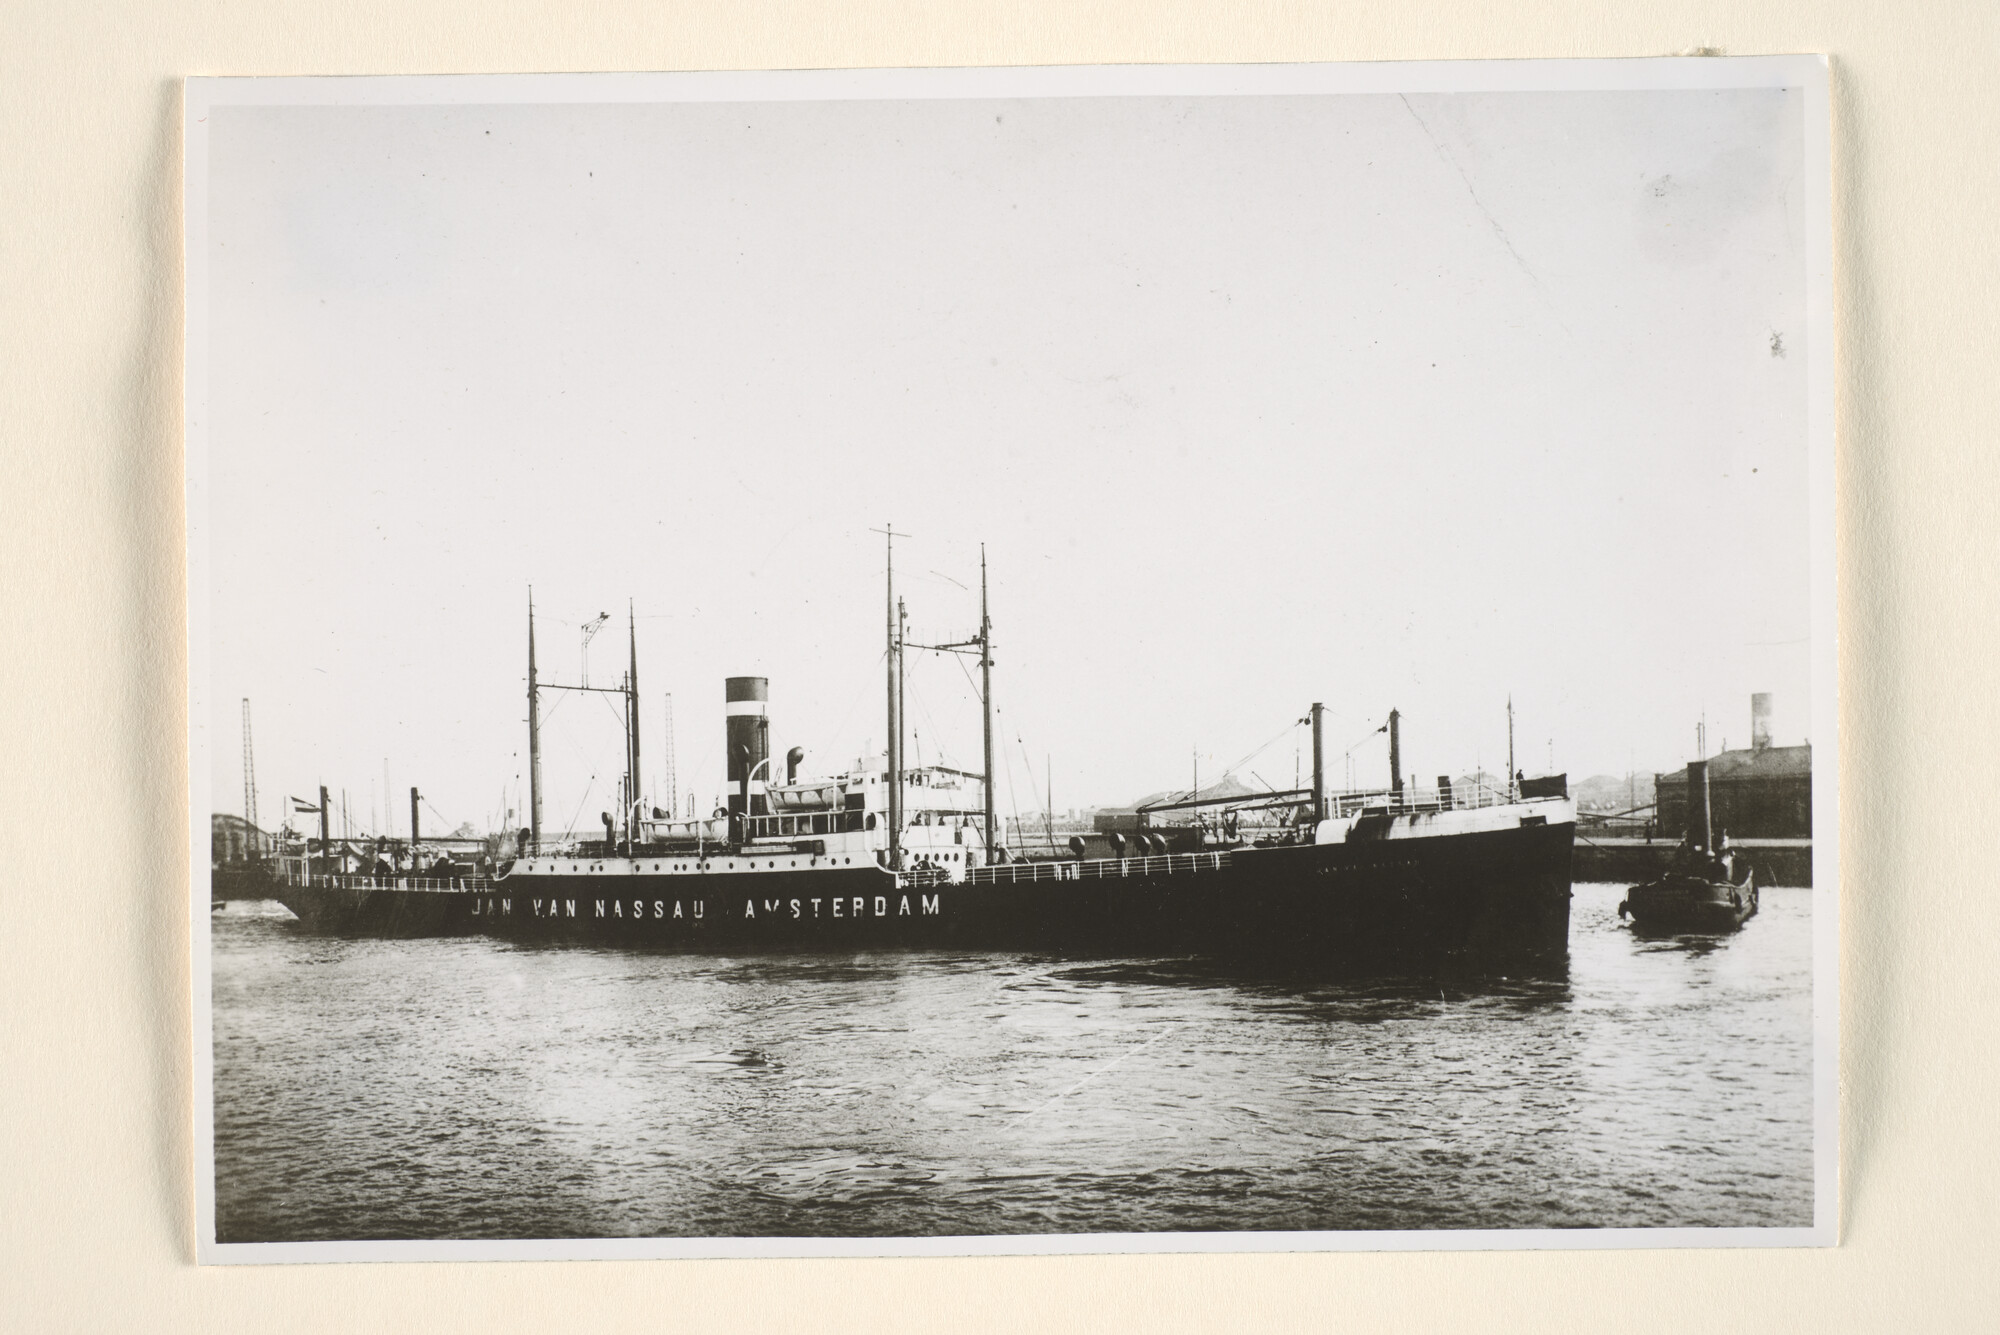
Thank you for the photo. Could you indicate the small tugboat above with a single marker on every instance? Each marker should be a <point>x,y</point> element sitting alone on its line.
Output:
<point>1705,889</point>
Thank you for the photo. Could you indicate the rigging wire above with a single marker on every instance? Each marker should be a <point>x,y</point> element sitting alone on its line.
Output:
<point>613,708</point>
<point>1013,794</point>
<point>1279,736</point>
<point>579,808</point>
<point>1033,791</point>
<point>930,719</point>
<point>839,729</point>
<point>1365,739</point>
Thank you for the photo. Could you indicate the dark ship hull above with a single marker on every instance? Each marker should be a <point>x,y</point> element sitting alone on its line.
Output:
<point>1678,902</point>
<point>899,857</point>
<point>243,880</point>
<point>1490,893</point>
<point>346,905</point>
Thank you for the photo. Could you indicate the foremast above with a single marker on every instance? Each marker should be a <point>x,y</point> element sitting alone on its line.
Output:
<point>986,703</point>
<point>534,737</point>
<point>895,674</point>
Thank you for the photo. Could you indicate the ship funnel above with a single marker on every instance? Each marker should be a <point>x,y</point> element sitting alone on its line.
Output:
<point>748,734</point>
<point>793,759</point>
<point>1760,720</point>
<point>1698,812</point>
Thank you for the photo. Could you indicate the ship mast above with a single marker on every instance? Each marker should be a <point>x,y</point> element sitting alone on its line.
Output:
<point>986,696</point>
<point>1510,745</point>
<point>632,726</point>
<point>534,741</point>
<point>1318,717</point>
<point>249,784</point>
<point>895,665</point>
<point>896,792</point>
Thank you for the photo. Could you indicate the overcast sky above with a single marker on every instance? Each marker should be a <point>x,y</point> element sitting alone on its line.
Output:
<point>1255,401</point>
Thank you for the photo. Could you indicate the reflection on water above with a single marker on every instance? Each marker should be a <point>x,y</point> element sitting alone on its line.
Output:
<point>469,1088</point>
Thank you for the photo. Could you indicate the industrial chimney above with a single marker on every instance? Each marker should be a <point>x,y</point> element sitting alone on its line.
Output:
<point>1760,720</point>
<point>748,737</point>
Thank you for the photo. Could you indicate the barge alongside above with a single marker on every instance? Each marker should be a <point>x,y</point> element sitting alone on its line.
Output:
<point>908,857</point>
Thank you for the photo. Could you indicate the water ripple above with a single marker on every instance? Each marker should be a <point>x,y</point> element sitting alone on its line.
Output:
<point>470,1089</point>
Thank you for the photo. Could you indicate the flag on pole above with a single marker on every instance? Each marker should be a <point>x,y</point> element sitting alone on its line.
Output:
<point>301,805</point>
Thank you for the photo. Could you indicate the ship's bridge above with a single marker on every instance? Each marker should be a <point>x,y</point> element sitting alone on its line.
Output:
<point>858,802</point>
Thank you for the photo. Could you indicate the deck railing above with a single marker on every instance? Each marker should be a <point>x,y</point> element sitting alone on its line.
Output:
<point>454,885</point>
<point>1097,869</point>
<point>1413,799</point>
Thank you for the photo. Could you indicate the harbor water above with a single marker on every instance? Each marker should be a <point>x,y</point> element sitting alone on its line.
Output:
<point>469,1088</point>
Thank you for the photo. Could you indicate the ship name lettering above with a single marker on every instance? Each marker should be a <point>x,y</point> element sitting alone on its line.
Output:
<point>638,908</point>
<point>697,908</point>
<point>795,908</point>
<point>659,908</point>
<point>836,907</point>
<point>931,904</point>
<point>618,908</point>
<point>881,906</point>
<point>815,908</point>
<point>771,905</point>
<point>749,908</point>
<point>859,904</point>
<point>569,908</point>
<point>507,906</point>
<point>904,910</point>
<point>677,908</point>
<point>600,908</point>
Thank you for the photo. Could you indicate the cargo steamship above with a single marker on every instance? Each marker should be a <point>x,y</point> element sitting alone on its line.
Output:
<point>908,857</point>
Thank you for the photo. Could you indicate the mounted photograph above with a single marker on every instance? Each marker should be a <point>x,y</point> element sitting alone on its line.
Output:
<point>1084,659</point>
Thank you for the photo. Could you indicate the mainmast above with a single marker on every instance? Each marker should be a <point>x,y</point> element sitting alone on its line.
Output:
<point>1510,745</point>
<point>534,739</point>
<point>632,719</point>
<point>896,791</point>
<point>895,663</point>
<point>986,696</point>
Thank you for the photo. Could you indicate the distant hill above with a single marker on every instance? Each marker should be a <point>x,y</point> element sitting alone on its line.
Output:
<point>1228,786</point>
<point>1605,792</point>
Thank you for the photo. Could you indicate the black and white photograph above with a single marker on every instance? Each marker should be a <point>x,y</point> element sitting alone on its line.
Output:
<point>1086,659</point>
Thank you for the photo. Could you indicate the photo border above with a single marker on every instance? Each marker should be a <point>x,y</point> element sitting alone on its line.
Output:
<point>1810,73</point>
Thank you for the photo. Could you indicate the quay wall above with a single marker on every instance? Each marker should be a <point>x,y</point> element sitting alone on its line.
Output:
<point>1778,861</point>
